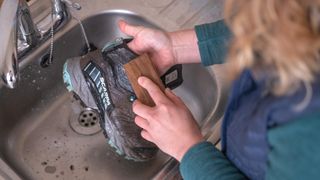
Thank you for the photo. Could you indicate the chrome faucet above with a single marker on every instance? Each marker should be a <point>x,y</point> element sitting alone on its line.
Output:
<point>20,36</point>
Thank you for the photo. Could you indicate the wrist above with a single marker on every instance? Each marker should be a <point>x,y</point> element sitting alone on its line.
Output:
<point>173,40</point>
<point>186,147</point>
<point>185,46</point>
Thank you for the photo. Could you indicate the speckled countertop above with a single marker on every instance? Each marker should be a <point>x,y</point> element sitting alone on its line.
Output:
<point>168,14</point>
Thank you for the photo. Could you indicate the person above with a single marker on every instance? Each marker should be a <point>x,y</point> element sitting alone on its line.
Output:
<point>271,124</point>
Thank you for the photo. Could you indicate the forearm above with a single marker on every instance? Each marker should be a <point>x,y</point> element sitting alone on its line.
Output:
<point>207,43</point>
<point>185,46</point>
<point>204,161</point>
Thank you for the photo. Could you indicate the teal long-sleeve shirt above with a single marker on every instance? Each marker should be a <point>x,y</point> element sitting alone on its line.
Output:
<point>294,147</point>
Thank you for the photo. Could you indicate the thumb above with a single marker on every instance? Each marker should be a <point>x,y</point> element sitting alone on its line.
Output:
<point>128,29</point>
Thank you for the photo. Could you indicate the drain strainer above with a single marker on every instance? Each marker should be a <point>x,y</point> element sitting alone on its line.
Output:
<point>87,122</point>
<point>88,118</point>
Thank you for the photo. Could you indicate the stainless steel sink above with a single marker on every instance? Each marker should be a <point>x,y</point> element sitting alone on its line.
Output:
<point>36,139</point>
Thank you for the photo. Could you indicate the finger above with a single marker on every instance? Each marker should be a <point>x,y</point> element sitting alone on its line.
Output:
<point>172,96</point>
<point>133,46</point>
<point>154,91</point>
<point>141,122</point>
<point>142,110</point>
<point>128,29</point>
<point>145,135</point>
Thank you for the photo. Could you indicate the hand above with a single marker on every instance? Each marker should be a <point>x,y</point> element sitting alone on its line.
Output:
<point>156,43</point>
<point>169,125</point>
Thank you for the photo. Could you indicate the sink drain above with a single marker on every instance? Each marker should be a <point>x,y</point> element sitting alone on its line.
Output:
<point>87,123</point>
<point>88,118</point>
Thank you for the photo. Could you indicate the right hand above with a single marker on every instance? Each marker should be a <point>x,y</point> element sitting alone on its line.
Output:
<point>169,124</point>
<point>156,43</point>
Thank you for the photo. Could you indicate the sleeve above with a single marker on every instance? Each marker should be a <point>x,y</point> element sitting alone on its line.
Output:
<point>213,41</point>
<point>203,161</point>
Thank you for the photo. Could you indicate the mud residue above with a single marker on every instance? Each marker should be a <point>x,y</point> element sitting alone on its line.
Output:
<point>50,169</point>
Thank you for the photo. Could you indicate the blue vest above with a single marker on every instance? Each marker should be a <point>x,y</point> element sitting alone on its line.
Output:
<point>251,111</point>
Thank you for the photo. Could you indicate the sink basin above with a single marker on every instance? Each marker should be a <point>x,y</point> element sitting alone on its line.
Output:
<point>37,139</point>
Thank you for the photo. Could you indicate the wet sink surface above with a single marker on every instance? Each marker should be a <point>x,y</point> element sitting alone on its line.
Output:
<point>36,139</point>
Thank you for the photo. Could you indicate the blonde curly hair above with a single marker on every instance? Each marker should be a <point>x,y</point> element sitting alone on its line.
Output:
<point>279,37</point>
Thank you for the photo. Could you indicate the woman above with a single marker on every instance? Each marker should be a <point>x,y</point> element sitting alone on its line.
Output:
<point>270,127</point>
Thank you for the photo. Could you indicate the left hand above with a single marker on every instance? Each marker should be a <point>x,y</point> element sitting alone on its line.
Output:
<point>156,43</point>
<point>169,124</point>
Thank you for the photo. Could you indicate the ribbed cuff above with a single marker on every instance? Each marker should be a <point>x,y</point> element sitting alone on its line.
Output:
<point>213,41</point>
<point>195,155</point>
<point>213,51</point>
<point>204,161</point>
<point>211,30</point>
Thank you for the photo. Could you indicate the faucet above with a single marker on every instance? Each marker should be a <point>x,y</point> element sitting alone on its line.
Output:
<point>20,35</point>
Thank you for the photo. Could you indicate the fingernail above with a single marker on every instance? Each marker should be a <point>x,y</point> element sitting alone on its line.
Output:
<point>140,80</point>
<point>134,109</point>
<point>134,103</point>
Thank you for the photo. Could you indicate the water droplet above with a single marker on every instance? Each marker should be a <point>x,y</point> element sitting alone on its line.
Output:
<point>132,98</point>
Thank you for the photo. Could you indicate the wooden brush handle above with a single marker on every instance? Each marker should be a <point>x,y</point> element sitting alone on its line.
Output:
<point>142,66</point>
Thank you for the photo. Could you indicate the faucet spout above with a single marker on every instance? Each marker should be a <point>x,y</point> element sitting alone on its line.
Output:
<point>27,33</point>
<point>19,35</point>
<point>8,47</point>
